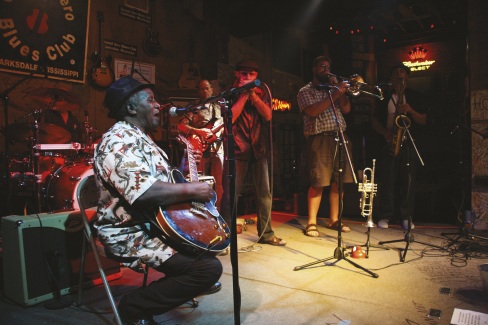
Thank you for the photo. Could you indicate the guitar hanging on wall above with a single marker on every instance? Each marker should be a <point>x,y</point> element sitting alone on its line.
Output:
<point>101,75</point>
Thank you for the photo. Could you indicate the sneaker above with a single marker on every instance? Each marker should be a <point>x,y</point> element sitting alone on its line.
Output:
<point>383,223</point>
<point>405,225</point>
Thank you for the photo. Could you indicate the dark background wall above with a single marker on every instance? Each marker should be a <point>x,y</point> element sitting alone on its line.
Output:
<point>214,35</point>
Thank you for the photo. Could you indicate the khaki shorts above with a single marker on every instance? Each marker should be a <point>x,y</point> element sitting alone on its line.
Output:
<point>323,160</point>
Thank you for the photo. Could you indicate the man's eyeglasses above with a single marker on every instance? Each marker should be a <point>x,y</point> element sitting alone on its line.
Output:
<point>325,66</point>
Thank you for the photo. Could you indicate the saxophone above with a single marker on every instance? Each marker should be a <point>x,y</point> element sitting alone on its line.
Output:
<point>401,125</point>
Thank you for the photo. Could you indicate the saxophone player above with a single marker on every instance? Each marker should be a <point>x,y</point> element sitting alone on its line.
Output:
<point>398,163</point>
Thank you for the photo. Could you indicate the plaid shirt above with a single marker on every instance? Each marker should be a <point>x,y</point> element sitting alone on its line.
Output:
<point>325,121</point>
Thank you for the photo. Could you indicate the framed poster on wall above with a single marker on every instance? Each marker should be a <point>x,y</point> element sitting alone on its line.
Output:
<point>144,72</point>
<point>44,38</point>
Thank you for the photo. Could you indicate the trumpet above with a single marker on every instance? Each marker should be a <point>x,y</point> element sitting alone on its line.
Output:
<point>357,86</point>
<point>368,188</point>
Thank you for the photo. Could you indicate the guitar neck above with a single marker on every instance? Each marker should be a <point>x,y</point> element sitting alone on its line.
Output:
<point>192,164</point>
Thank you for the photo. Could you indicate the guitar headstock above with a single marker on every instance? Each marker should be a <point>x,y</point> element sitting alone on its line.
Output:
<point>185,141</point>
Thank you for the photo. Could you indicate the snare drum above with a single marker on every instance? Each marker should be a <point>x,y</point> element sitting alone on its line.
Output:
<point>61,186</point>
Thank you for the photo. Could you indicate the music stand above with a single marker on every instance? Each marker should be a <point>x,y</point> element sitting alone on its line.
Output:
<point>408,238</point>
<point>339,252</point>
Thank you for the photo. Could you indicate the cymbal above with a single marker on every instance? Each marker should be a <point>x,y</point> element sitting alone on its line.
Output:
<point>48,133</point>
<point>55,98</point>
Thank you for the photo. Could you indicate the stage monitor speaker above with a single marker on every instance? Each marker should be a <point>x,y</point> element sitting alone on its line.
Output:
<point>42,257</point>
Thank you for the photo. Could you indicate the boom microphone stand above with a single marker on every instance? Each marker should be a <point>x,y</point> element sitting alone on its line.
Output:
<point>230,157</point>
<point>339,252</point>
<point>408,238</point>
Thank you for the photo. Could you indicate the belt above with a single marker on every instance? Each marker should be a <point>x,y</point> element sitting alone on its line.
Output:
<point>327,133</point>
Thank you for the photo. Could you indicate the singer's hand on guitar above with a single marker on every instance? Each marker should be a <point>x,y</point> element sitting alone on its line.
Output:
<point>202,191</point>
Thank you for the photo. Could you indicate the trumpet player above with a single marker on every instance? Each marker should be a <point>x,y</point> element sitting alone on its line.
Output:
<point>320,128</point>
<point>403,108</point>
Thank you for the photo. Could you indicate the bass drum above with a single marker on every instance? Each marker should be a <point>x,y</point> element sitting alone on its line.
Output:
<point>61,187</point>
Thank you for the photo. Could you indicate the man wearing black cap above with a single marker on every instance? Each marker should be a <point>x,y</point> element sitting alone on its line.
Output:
<point>251,113</point>
<point>132,175</point>
<point>398,171</point>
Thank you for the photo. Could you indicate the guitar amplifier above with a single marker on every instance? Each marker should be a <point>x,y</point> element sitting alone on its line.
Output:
<point>42,257</point>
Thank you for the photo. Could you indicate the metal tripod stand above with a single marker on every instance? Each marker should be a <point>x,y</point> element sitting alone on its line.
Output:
<point>403,122</point>
<point>369,189</point>
<point>339,252</point>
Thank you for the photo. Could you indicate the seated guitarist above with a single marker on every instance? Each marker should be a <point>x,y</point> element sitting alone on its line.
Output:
<point>204,129</point>
<point>132,175</point>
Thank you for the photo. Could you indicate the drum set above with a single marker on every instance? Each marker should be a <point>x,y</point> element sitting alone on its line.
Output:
<point>42,167</point>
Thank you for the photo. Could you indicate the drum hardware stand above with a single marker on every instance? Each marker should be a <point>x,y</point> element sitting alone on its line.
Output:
<point>5,100</point>
<point>35,164</point>
<point>89,134</point>
<point>408,238</point>
<point>339,252</point>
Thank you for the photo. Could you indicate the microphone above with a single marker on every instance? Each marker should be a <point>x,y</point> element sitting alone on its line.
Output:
<point>132,69</point>
<point>232,91</point>
<point>175,111</point>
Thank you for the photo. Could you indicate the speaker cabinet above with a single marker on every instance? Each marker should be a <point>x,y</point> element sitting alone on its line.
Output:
<point>42,257</point>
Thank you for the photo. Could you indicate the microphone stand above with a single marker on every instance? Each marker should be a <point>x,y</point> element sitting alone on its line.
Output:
<point>408,238</point>
<point>230,157</point>
<point>339,252</point>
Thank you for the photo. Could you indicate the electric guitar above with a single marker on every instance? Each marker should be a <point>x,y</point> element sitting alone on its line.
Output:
<point>198,143</point>
<point>194,226</point>
<point>101,75</point>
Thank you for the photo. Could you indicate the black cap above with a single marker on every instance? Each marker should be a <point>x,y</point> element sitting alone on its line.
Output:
<point>247,65</point>
<point>400,65</point>
<point>119,91</point>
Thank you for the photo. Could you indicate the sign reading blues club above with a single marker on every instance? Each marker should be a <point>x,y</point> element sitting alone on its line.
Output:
<point>44,38</point>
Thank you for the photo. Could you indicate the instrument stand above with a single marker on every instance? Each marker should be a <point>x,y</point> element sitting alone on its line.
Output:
<point>339,252</point>
<point>367,244</point>
<point>467,222</point>
<point>408,238</point>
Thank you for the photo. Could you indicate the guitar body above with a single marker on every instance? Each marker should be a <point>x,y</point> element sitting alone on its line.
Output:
<point>196,225</point>
<point>101,74</point>
<point>202,144</point>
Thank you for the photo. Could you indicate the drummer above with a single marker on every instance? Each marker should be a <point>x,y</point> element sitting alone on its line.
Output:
<point>64,119</point>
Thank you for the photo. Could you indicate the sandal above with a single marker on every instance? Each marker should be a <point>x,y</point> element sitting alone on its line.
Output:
<point>335,226</point>
<point>311,230</point>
